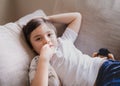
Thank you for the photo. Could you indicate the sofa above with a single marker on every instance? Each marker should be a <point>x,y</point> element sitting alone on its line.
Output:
<point>100,29</point>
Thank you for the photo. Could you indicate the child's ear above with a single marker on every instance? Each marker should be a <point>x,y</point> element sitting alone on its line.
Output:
<point>94,54</point>
<point>111,56</point>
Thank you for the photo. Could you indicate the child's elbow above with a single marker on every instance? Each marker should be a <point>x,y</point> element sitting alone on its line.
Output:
<point>78,14</point>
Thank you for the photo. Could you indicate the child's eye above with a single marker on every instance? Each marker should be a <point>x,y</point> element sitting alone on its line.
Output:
<point>38,39</point>
<point>50,35</point>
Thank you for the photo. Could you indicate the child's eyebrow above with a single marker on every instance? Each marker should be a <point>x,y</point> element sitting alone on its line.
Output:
<point>37,36</point>
<point>49,31</point>
<point>40,35</point>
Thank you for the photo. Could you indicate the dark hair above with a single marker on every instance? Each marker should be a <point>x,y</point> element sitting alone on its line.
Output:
<point>32,25</point>
<point>103,52</point>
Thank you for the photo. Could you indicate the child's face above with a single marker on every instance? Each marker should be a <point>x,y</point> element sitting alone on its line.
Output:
<point>41,36</point>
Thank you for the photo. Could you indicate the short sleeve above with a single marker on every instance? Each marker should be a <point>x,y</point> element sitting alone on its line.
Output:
<point>69,34</point>
<point>32,69</point>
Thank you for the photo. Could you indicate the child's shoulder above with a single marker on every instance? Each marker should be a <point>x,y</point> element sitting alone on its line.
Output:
<point>69,34</point>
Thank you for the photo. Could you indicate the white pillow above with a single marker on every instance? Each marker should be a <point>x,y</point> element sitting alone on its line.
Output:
<point>15,55</point>
<point>22,21</point>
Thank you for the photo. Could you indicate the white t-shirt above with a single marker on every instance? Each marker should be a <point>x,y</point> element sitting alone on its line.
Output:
<point>72,66</point>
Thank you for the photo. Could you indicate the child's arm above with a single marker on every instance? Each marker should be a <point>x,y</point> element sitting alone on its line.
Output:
<point>72,19</point>
<point>41,75</point>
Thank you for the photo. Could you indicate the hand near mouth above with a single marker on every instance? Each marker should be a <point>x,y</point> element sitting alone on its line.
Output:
<point>47,51</point>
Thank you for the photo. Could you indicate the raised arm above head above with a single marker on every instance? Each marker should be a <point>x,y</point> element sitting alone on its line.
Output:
<point>72,19</point>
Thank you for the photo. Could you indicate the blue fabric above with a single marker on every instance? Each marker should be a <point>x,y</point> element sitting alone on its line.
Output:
<point>109,74</point>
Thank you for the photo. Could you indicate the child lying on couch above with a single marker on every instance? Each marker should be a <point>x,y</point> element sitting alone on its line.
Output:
<point>72,66</point>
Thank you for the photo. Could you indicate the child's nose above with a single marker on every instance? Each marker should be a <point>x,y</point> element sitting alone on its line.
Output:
<point>46,40</point>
